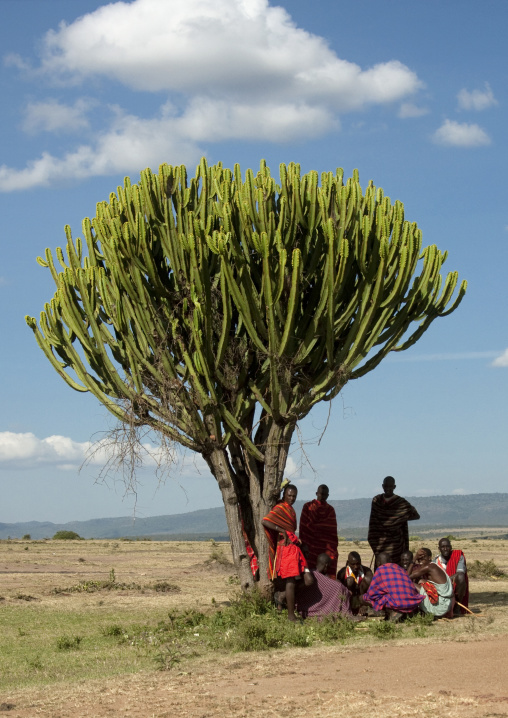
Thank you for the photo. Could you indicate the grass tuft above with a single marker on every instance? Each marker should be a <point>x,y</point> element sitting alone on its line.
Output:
<point>485,569</point>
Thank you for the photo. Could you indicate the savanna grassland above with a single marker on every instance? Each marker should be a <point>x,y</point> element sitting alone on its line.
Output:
<point>145,628</point>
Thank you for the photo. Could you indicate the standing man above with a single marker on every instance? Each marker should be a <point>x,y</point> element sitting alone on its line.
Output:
<point>389,514</point>
<point>454,563</point>
<point>318,529</point>
<point>286,560</point>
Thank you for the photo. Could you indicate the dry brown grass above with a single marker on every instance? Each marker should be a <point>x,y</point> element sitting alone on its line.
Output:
<point>409,676</point>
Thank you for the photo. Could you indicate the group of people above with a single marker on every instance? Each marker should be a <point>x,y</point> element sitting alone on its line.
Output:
<point>304,571</point>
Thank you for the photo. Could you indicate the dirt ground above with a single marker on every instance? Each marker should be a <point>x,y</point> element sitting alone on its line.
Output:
<point>466,678</point>
<point>457,673</point>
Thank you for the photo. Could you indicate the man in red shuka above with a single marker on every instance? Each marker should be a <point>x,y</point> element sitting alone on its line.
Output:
<point>318,529</point>
<point>286,560</point>
<point>454,563</point>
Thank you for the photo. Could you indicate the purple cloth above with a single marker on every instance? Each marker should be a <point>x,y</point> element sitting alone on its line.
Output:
<point>392,588</point>
<point>325,597</point>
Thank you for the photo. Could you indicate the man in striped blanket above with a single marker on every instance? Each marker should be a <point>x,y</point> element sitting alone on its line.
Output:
<point>388,531</point>
<point>318,529</point>
<point>286,560</point>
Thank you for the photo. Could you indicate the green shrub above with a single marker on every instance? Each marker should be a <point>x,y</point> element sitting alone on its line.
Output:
<point>384,629</point>
<point>67,536</point>
<point>26,537</point>
<point>68,643</point>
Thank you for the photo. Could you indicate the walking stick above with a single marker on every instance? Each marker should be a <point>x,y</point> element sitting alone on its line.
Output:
<point>464,607</point>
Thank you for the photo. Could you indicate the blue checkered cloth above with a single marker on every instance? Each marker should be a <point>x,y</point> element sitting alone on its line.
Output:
<point>392,588</point>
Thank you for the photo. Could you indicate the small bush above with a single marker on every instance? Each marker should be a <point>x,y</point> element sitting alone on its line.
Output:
<point>485,569</point>
<point>67,536</point>
<point>113,630</point>
<point>414,538</point>
<point>217,554</point>
<point>26,537</point>
<point>384,629</point>
<point>68,643</point>
<point>165,587</point>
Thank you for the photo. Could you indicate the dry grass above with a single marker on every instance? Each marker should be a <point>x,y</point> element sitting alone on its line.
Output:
<point>88,676</point>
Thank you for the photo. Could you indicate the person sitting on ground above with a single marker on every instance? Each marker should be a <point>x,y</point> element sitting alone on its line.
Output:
<point>391,590</point>
<point>453,562</point>
<point>435,586</point>
<point>325,597</point>
<point>318,529</point>
<point>406,561</point>
<point>389,514</point>
<point>286,560</point>
<point>355,577</point>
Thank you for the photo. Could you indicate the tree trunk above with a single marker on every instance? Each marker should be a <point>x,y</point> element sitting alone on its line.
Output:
<point>249,491</point>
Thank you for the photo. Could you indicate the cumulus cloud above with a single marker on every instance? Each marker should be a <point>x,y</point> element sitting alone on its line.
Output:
<point>241,68</point>
<point>476,99</point>
<point>501,360</point>
<point>231,47</point>
<point>53,116</point>
<point>25,450</point>
<point>409,109</point>
<point>130,144</point>
<point>460,134</point>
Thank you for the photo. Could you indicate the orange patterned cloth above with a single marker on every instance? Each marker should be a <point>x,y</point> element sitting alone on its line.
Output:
<point>284,516</point>
<point>431,591</point>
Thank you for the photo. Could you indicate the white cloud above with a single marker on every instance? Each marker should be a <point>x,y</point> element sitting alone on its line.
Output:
<point>242,69</point>
<point>408,109</point>
<point>501,360</point>
<point>54,116</point>
<point>477,99</point>
<point>129,145</point>
<point>25,450</point>
<point>460,134</point>
<point>234,48</point>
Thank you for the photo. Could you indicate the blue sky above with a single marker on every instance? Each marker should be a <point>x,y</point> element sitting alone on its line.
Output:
<point>414,95</point>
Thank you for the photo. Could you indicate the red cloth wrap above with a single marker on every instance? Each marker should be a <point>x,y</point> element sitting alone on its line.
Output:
<point>284,516</point>
<point>290,561</point>
<point>318,529</point>
<point>451,570</point>
<point>431,592</point>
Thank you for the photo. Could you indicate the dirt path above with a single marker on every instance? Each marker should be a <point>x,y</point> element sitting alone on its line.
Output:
<point>455,679</point>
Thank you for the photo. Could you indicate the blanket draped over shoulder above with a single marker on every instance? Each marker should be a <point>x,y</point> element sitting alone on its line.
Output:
<point>388,531</point>
<point>451,570</point>
<point>284,516</point>
<point>318,529</point>
<point>392,588</point>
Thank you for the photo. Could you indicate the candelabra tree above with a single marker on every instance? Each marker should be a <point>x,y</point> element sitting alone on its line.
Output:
<point>219,311</point>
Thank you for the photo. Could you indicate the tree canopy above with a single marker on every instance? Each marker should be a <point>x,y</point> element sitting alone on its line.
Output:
<point>219,311</point>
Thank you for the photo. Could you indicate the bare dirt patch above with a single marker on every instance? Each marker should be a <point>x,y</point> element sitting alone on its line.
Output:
<point>458,671</point>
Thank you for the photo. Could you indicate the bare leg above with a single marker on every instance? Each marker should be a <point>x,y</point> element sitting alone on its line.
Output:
<point>290,598</point>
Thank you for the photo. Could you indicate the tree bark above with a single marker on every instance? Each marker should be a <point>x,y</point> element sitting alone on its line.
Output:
<point>249,491</point>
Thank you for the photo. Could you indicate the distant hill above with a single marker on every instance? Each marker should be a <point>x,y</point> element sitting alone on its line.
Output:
<point>450,511</point>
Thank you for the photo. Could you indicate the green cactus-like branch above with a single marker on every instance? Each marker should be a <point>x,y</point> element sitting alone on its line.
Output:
<point>192,301</point>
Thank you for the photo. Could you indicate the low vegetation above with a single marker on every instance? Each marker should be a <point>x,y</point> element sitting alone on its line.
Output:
<point>166,606</point>
<point>485,570</point>
<point>67,536</point>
